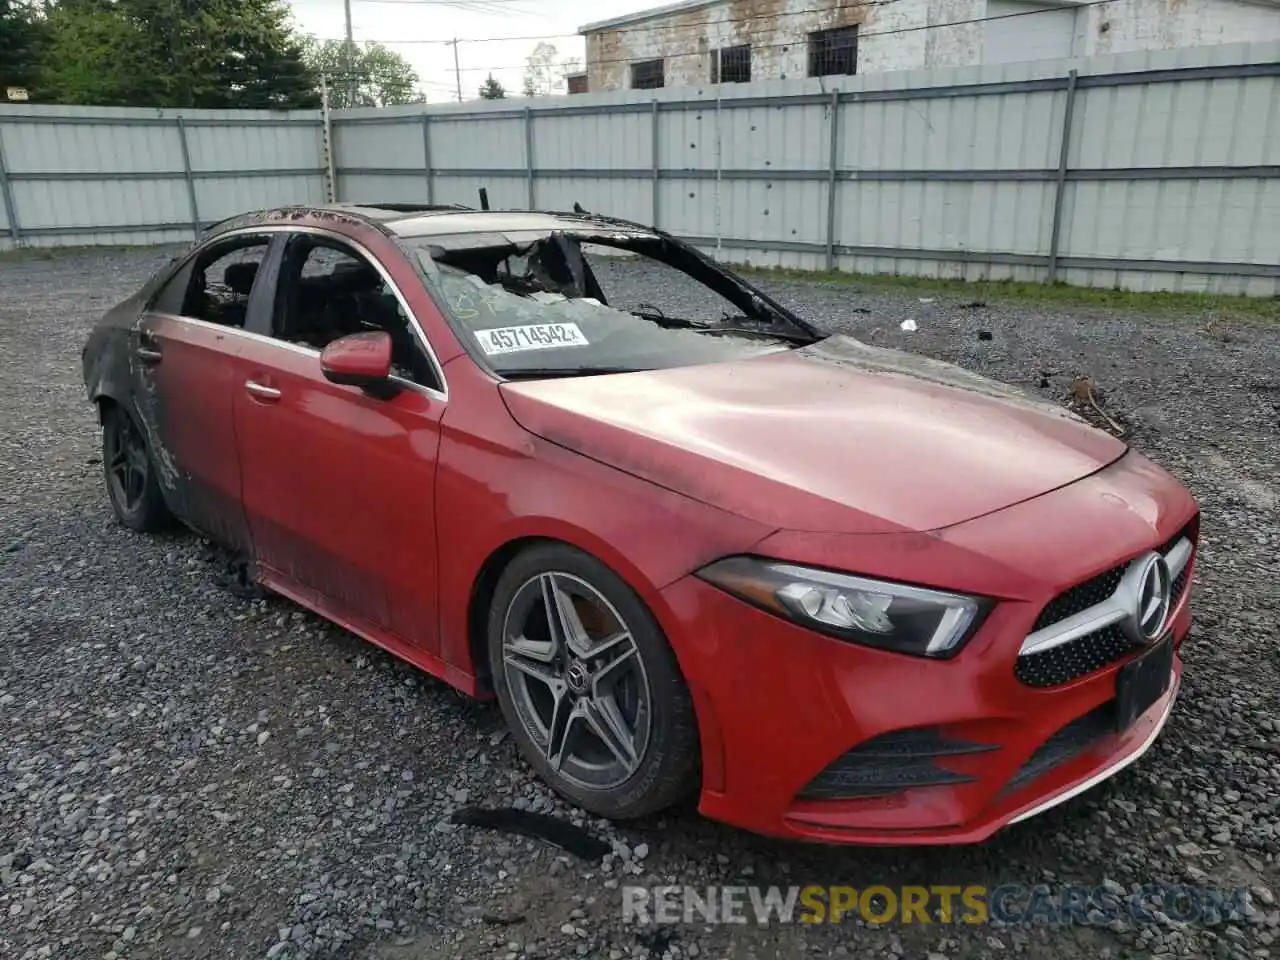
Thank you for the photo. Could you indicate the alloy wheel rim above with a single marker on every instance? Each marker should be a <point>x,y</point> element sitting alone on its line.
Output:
<point>127,464</point>
<point>577,680</point>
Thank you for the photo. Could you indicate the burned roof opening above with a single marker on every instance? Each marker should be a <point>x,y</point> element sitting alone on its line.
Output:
<point>431,234</point>
<point>534,305</point>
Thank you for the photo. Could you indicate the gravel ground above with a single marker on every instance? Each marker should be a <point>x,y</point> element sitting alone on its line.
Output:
<point>188,774</point>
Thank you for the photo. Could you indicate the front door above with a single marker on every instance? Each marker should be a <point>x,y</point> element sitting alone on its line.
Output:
<point>186,351</point>
<point>339,486</point>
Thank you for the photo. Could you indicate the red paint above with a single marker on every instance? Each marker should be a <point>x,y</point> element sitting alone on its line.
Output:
<point>339,490</point>
<point>807,445</point>
<point>381,514</point>
<point>193,367</point>
<point>801,700</point>
<point>358,358</point>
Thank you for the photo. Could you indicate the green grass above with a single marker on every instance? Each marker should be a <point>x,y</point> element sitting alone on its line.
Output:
<point>19,254</point>
<point>26,254</point>
<point>1218,307</point>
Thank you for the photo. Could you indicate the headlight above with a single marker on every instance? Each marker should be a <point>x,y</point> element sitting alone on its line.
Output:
<point>893,616</point>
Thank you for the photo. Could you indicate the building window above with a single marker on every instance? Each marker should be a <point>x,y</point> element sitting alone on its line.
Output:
<point>731,64</point>
<point>577,82</point>
<point>833,52</point>
<point>646,75</point>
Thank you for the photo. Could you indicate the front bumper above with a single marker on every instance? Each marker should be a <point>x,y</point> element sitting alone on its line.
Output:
<point>772,721</point>
<point>781,707</point>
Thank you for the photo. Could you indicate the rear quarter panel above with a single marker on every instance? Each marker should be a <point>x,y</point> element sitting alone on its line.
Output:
<point>105,357</point>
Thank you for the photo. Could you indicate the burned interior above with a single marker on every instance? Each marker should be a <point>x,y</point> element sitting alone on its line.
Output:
<point>490,281</point>
<point>522,301</point>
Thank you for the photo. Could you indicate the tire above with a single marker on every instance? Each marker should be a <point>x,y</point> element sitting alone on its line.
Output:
<point>130,474</point>
<point>642,693</point>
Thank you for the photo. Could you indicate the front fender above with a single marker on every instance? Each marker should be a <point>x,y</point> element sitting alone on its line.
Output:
<point>498,484</point>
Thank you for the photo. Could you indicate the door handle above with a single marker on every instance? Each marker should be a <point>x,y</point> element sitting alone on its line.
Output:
<point>261,391</point>
<point>149,355</point>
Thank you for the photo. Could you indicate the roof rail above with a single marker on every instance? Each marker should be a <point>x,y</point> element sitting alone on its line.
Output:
<point>400,207</point>
<point>582,214</point>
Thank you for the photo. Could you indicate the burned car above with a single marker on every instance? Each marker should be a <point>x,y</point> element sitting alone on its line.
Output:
<point>837,592</point>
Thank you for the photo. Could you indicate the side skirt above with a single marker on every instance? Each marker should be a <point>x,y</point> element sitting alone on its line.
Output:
<point>397,647</point>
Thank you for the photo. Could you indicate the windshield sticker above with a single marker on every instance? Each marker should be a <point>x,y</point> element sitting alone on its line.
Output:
<point>534,336</point>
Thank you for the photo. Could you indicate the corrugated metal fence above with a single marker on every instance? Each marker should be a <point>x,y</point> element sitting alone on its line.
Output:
<point>79,175</point>
<point>1147,171</point>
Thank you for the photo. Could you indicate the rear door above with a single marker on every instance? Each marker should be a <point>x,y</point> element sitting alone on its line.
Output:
<point>186,350</point>
<point>339,486</point>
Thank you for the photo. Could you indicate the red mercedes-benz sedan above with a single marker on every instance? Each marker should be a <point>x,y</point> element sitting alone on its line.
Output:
<point>689,541</point>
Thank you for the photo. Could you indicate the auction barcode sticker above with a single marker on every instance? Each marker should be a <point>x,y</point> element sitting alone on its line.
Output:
<point>534,336</point>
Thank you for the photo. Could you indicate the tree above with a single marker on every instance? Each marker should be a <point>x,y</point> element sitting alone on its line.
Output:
<point>175,53</point>
<point>22,32</point>
<point>545,71</point>
<point>263,61</point>
<point>491,89</point>
<point>541,77</point>
<point>362,75</point>
<point>85,49</point>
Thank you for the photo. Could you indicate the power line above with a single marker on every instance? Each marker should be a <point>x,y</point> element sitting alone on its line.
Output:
<point>441,3</point>
<point>548,36</point>
<point>766,46</point>
<point>358,78</point>
<point>470,6</point>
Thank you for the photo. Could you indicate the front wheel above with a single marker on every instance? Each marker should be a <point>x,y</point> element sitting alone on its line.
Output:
<point>589,685</point>
<point>130,475</point>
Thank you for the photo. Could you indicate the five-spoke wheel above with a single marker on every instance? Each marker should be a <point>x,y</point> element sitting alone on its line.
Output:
<point>577,680</point>
<point>589,685</point>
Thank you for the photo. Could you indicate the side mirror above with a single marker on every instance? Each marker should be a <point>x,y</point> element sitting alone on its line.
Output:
<point>359,360</point>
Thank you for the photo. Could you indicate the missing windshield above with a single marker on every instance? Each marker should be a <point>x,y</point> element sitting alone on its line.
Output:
<point>564,302</point>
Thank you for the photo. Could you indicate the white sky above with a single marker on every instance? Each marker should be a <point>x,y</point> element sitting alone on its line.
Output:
<point>414,29</point>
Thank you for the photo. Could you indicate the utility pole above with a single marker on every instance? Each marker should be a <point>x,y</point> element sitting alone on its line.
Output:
<point>330,178</point>
<point>350,50</point>
<point>457,72</point>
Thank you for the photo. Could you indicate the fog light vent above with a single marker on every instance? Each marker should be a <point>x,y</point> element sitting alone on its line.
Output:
<point>890,763</point>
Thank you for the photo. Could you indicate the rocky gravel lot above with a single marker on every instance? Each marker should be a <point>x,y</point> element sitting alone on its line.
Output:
<point>187,774</point>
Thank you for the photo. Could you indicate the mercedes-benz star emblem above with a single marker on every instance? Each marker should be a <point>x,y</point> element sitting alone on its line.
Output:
<point>1155,589</point>
<point>577,676</point>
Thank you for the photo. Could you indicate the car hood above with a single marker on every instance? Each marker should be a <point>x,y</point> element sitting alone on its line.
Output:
<point>839,436</point>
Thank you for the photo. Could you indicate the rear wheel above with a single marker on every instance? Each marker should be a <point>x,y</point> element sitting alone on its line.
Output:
<point>130,475</point>
<point>589,685</point>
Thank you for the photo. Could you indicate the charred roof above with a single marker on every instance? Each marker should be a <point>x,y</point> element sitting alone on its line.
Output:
<point>421,220</point>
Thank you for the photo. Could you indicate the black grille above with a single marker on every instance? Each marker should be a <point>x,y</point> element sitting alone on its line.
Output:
<point>1069,742</point>
<point>890,763</point>
<point>1180,583</point>
<point>1069,661</point>
<point>1094,651</point>
<point>1184,533</point>
<point>1095,590</point>
<point>1080,597</point>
